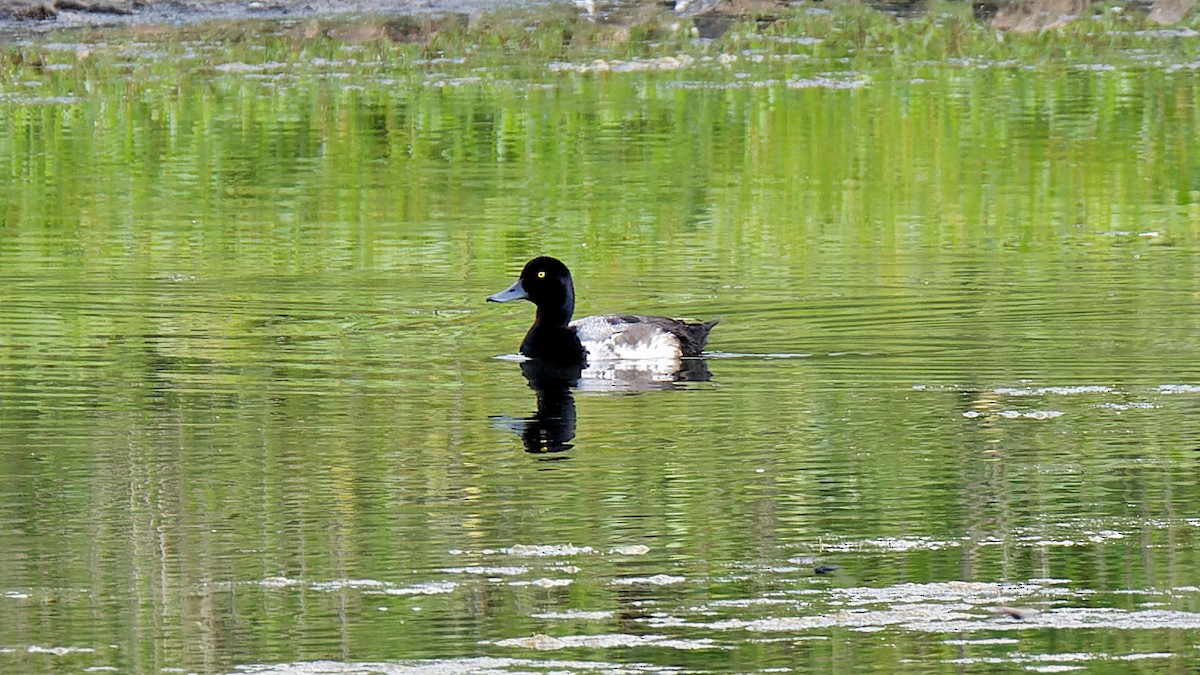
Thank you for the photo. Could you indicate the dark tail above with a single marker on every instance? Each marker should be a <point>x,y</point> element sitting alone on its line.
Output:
<point>693,335</point>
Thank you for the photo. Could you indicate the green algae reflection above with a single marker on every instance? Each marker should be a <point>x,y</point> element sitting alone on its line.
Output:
<point>249,413</point>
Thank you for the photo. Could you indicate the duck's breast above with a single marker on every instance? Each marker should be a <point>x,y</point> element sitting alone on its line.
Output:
<point>613,337</point>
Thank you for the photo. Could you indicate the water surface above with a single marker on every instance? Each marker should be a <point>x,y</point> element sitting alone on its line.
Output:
<point>252,418</point>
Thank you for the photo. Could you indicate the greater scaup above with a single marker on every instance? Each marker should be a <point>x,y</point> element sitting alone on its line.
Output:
<point>546,282</point>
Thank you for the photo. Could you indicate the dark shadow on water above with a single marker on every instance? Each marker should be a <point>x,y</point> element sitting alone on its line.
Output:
<point>551,428</point>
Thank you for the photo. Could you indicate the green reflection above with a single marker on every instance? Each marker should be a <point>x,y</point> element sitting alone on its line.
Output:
<point>245,378</point>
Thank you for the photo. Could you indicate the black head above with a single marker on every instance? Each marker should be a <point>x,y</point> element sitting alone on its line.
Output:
<point>545,282</point>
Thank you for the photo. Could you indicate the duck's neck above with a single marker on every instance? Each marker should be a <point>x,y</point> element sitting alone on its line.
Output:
<point>554,318</point>
<point>550,338</point>
<point>558,315</point>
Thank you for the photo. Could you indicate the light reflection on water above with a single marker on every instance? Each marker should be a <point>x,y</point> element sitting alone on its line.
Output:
<point>861,460</point>
<point>250,411</point>
<point>301,463</point>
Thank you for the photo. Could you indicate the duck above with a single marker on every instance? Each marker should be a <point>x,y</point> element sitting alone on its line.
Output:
<point>554,337</point>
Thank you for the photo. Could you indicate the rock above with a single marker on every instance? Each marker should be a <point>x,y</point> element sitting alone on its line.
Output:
<point>1031,16</point>
<point>27,10</point>
<point>713,25</point>
<point>357,33</point>
<point>305,30</point>
<point>420,30</point>
<point>94,7</point>
<point>1165,12</point>
<point>695,7</point>
<point>985,10</point>
<point>905,9</point>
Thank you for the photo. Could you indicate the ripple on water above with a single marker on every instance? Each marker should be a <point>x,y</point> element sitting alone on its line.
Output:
<point>369,586</point>
<point>656,580</point>
<point>546,550</point>
<point>1056,663</point>
<point>58,651</point>
<point>239,67</point>
<point>627,66</point>
<point>493,571</point>
<point>1059,391</point>
<point>946,607</point>
<point>544,582</point>
<point>543,642</point>
<point>39,100</point>
<point>576,615</point>
<point>635,549</point>
<point>896,544</point>
<point>1015,414</point>
<point>946,618</point>
<point>827,83</point>
<point>554,550</point>
<point>1178,389</point>
<point>1122,407</point>
<point>466,666</point>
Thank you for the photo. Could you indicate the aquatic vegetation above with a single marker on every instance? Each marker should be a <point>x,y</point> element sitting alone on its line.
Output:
<point>850,34</point>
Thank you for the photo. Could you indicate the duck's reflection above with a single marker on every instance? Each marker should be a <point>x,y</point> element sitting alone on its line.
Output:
<point>551,428</point>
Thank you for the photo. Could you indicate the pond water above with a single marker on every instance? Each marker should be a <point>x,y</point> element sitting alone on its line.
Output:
<point>253,419</point>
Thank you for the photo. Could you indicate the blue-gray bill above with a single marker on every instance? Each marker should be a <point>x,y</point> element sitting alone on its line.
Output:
<point>514,292</point>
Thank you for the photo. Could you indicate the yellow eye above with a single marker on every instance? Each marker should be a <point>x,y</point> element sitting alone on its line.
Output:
<point>542,274</point>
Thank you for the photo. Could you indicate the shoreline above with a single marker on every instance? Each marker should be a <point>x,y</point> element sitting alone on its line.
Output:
<point>40,16</point>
